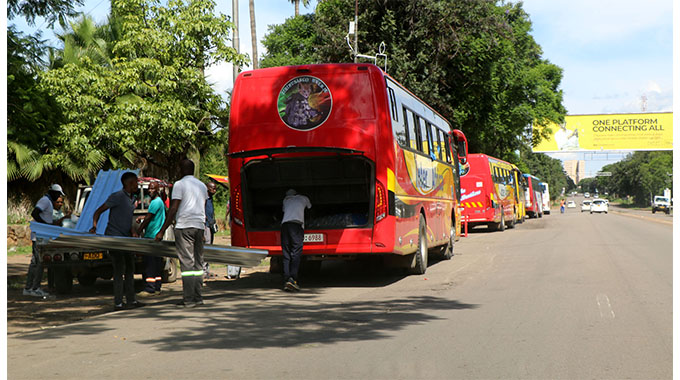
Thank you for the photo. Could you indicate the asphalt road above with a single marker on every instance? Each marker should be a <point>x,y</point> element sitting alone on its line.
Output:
<point>568,296</point>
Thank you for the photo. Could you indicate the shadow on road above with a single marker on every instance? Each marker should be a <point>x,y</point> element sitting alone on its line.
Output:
<point>281,321</point>
<point>254,312</point>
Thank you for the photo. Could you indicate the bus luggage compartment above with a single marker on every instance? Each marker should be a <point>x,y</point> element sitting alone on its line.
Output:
<point>340,189</point>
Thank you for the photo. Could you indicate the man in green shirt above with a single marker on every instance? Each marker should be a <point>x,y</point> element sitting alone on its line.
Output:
<point>153,221</point>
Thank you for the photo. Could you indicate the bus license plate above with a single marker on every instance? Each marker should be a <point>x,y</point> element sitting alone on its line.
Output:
<point>313,238</point>
<point>93,256</point>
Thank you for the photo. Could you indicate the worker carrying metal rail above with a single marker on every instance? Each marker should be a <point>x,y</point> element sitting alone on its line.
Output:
<point>188,207</point>
<point>122,207</point>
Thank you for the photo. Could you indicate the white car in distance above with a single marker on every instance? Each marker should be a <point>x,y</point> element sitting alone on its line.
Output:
<point>571,204</point>
<point>599,205</point>
<point>585,206</point>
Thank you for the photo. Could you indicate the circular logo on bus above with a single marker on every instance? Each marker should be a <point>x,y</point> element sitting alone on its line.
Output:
<point>304,103</point>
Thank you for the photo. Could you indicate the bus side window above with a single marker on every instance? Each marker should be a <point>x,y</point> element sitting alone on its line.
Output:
<point>429,149</point>
<point>440,144</point>
<point>401,130</point>
<point>393,104</point>
<point>420,136</point>
<point>447,147</point>
<point>412,130</point>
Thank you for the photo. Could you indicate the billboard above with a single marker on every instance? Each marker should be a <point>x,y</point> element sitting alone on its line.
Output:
<point>631,131</point>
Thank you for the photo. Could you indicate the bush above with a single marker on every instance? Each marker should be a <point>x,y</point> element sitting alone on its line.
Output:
<point>19,211</point>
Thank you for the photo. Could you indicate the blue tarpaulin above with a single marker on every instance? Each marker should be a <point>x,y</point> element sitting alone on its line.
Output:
<point>107,183</point>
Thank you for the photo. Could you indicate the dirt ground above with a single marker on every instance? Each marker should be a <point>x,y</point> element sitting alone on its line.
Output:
<point>27,313</point>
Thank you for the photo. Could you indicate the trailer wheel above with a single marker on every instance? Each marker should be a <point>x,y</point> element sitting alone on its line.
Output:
<point>170,274</point>
<point>421,254</point>
<point>63,280</point>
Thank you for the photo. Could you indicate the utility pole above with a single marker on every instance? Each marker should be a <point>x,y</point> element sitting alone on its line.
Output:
<point>235,41</point>
<point>356,30</point>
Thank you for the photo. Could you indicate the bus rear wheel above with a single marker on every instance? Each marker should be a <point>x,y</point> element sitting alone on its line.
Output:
<point>420,265</point>
<point>447,253</point>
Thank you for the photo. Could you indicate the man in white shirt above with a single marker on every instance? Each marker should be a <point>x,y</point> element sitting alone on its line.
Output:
<point>292,236</point>
<point>188,207</point>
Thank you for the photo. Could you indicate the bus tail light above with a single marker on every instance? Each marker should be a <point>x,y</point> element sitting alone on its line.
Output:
<point>380,202</point>
<point>237,205</point>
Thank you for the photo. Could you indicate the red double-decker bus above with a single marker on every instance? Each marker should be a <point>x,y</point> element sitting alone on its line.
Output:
<point>489,192</point>
<point>376,162</point>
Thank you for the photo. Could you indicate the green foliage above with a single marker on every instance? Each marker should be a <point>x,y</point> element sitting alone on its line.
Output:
<point>641,175</point>
<point>291,43</point>
<point>152,100</point>
<point>548,169</point>
<point>214,161</point>
<point>297,5</point>
<point>85,39</point>
<point>51,10</point>
<point>33,117</point>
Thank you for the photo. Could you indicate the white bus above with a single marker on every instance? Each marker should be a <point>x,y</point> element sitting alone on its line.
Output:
<point>546,197</point>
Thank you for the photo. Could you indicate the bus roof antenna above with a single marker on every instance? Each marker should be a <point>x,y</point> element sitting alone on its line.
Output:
<point>355,54</point>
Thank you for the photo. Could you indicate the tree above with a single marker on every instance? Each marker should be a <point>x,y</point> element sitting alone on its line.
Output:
<point>152,105</point>
<point>253,33</point>
<point>548,169</point>
<point>290,43</point>
<point>51,10</point>
<point>32,115</point>
<point>297,5</point>
<point>473,61</point>
<point>85,39</point>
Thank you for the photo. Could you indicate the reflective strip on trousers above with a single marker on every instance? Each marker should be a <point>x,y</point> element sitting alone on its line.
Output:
<point>193,273</point>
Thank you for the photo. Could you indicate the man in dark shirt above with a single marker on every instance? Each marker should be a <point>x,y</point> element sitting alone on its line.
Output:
<point>122,206</point>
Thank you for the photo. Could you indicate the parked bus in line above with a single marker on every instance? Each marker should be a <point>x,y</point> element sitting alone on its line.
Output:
<point>488,193</point>
<point>545,197</point>
<point>533,200</point>
<point>520,185</point>
<point>376,162</point>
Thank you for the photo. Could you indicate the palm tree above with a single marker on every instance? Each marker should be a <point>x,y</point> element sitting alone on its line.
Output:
<point>297,5</point>
<point>253,33</point>
<point>86,39</point>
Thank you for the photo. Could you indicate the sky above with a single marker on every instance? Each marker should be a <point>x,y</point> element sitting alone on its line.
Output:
<point>612,52</point>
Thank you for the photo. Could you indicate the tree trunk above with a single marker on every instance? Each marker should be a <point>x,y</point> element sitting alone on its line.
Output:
<point>297,7</point>
<point>253,33</point>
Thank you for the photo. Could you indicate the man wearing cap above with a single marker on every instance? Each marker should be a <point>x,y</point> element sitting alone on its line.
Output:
<point>292,236</point>
<point>42,213</point>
